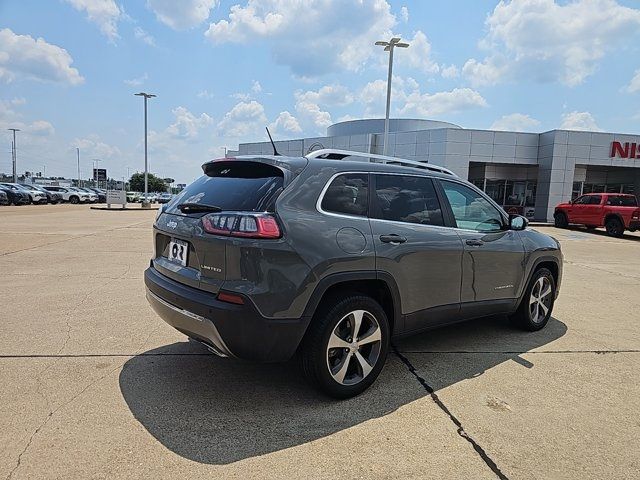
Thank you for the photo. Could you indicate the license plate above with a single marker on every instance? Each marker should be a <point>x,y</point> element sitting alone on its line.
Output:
<point>178,251</point>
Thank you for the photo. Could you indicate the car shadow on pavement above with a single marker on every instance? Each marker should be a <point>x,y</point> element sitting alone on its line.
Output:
<point>603,233</point>
<point>217,411</point>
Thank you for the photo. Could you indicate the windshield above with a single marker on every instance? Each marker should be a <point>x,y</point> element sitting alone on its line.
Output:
<point>234,186</point>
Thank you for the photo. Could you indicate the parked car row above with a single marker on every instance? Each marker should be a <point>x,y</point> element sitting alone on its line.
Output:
<point>24,194</point>
<point>137,197</point>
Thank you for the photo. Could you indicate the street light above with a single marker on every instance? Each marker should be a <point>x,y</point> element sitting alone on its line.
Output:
<point>388,47</point>
<point>14,153</point>
<point>145,203</point>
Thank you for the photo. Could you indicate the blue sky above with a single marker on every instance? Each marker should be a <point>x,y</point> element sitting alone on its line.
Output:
<point>223,70</point>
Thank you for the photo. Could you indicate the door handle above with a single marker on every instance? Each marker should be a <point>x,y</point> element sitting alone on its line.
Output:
<point>392,238</point>
<point>475,243</point>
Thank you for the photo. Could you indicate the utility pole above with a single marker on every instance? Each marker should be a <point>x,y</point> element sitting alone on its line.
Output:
<point>14,154</point>
<point>388,47</point>
<point>78,152</point>
<point>145,202</point>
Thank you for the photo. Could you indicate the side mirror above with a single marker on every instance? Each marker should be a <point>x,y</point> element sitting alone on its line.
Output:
<point>518,222</point>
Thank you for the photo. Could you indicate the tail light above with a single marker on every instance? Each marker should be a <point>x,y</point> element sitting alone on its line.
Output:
<point>247,225</point>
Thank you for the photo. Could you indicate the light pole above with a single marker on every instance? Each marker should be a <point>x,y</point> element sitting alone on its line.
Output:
<point>388,47</point>
<point>14,154</point>
<point>225,151</point>
<point>78,152</point>
<point>145,202</point>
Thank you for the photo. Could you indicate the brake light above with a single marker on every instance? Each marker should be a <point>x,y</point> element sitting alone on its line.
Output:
<point>246,225</point>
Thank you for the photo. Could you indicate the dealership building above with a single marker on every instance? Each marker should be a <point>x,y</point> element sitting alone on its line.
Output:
<point>527,173</point>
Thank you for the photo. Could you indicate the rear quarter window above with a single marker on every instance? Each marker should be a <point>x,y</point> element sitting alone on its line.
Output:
<point>347,194</point>
<point>622,201</point>
<point>234,186</point>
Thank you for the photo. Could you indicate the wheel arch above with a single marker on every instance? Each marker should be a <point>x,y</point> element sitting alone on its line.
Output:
<point>548,262</point>
<point>379,285</point>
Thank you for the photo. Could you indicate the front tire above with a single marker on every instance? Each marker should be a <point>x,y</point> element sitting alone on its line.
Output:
<point>346,346</point>
<point>73,199</point>
<point>537,303</point>
<point>561,220</point>
<point>614,227</point>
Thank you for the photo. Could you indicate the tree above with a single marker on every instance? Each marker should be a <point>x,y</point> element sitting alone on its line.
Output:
<point>156,184</point>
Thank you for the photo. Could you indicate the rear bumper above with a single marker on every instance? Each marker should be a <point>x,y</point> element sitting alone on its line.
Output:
<point>230,330</point>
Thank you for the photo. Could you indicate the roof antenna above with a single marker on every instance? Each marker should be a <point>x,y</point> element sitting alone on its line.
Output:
<point>275,151</point>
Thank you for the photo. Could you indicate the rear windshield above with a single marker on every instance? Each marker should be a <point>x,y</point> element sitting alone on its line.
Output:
<point>622,201</point>
<point>241,186</point>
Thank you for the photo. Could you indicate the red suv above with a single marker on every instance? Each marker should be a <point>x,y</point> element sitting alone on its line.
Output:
<point>616,212</point>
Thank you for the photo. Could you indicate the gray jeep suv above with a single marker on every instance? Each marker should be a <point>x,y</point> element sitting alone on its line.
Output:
<point>330,257</point>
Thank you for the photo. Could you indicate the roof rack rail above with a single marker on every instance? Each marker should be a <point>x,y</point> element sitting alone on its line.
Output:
<point>334,154</point>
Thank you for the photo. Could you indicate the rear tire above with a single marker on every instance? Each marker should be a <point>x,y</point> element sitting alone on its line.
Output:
<point>73,199</point>
<point>346,345</point>
<point>537,302</point>
<point>561,220</point>
<point>614,227</point>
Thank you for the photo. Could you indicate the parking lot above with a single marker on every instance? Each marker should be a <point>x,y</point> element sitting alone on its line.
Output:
<point>94,385</point>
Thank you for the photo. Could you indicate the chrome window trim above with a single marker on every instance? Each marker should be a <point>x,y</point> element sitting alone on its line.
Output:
<point>369,217</point>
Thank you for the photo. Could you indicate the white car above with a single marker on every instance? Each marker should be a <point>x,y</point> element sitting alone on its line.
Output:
<point>35,196</point>
<point>71,194</point>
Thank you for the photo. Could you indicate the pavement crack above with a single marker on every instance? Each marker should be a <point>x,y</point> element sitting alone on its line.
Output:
<point>53,412</point>
<point>460,428</point>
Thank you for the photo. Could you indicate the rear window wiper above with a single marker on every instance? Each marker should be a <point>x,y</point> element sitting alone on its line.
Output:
<point>198,208</point>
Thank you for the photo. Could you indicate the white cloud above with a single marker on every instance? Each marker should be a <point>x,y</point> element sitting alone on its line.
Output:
<point>634,84</point>
<point>22,56</point>
<point>450,72</point>
<point>187,125</point>
<point>404,14</point>
<point>418,55</point>
<point>517,122</point>
<point>329,95</point>
<point>184,14</point>
<point>256,87</point>
<point>579,121</point>
<point>135,82</point>
<point>430,105</point>
<point>285,122</point>
<point>243,119</point>
<point>548,41</point>
<point>205,94</point>
<point>40,128</point>
<point>18,101</point>
<point>104,13</point>
<point>312,37</point>
<point>408,99</point>
<point>92,146</point>
<point>488,72</point>
<point>144,36</point>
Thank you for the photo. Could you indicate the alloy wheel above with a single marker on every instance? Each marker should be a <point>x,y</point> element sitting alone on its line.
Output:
<point>540,300</point>
<point>354,347</point>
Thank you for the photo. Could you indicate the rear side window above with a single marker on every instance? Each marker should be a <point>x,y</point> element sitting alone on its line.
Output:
<point>347,194</point>
<point>233,185</point>
<point>595,200</point>
<point>406,199</point>
<point>622,201</point>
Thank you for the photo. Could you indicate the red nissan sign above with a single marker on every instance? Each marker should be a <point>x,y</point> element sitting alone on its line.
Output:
<point>625,150</point>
